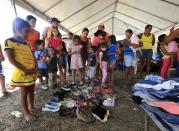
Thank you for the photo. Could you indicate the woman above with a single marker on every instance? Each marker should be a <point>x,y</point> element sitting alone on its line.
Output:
<point>147,42</point>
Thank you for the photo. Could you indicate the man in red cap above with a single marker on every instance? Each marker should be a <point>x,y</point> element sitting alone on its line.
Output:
<point>48,30</point>
<point>106,35</point>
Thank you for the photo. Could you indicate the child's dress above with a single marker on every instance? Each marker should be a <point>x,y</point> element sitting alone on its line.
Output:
<point>76,59</point>
<point>24,56</point>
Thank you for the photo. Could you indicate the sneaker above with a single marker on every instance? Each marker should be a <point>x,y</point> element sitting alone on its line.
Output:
<point>109,102</point>
<point>53,104</point>
<point>66,88</point>
<point>50,109</point>
<point>44,87</point>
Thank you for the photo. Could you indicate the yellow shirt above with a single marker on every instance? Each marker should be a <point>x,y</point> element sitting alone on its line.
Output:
<point>24,56</point>
<point>147,41</point>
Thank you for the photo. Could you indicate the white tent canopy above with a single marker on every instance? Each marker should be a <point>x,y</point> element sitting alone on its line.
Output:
<point>117,15</point>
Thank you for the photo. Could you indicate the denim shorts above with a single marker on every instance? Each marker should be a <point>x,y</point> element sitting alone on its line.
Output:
<point>112,64</point>
<point>130,61</point>
<point>1,70</point>
<point>147,54</point>
<point>43,72</point>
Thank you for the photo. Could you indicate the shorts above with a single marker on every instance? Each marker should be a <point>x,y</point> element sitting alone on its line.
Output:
<point>43,72</point>
<point>1,70</point>
<point>112,64</point>
<point>91,72</point>
<point>147,54</point>
<point>62,62</point>
<point>130,61</point>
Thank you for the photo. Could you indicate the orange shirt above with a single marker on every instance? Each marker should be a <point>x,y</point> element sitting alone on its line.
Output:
<point>32,37</point>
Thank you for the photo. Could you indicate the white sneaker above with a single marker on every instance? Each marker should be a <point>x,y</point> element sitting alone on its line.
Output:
<point>109,102</point>
<point>50,109</point>
<point>44,87</point>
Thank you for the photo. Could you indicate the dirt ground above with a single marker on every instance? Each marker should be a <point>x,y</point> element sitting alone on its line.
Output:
<point>125,116</point>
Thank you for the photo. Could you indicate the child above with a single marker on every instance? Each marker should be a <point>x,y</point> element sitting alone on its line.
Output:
<point>76,59</point>
<point>56,42</point>
<point>166,59</point>
<point>129,60</point>
<point>92,61</point>
<point>41,56</point>
<point>3,90</point>
<point>112,52</point>
<point>63,64</point>
<point>135,41</point>
<point>52,68</point>
<point>24,76</point>
<point>103,60</point>
<point>33,35</point>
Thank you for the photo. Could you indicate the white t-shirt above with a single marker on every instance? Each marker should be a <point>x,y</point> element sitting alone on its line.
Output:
<point>69,43</point>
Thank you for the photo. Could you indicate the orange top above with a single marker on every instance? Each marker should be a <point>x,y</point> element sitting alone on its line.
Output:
<point>32,37</point>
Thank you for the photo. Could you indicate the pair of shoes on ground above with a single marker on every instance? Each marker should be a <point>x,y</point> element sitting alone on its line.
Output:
<point>52,106</point>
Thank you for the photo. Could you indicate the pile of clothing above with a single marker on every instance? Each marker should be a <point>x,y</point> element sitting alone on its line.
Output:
<point>160,99</point>
<point>85,102</point>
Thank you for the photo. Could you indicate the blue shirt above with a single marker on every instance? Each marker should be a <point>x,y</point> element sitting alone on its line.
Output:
<point>126,47</point>
<point>112,49</point>
<point>38,55</point>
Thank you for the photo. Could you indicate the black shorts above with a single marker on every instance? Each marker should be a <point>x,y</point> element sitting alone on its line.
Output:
<point>43,72</point>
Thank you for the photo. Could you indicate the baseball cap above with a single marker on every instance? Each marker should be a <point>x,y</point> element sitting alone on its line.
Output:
<point>53,19</point>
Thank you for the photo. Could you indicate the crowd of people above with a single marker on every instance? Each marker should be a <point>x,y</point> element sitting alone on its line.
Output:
<point>90,60</point>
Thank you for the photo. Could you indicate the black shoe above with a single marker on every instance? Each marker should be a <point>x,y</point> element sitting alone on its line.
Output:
<point>66,88</point>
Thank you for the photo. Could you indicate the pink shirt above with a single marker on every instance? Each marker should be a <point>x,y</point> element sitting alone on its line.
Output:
<point>96,41</point>
<point>172,46</point>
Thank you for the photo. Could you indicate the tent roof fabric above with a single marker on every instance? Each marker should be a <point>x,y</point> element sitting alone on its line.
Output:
<point>117,15</point>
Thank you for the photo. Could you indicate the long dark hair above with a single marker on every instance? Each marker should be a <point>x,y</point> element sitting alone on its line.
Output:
<point>161,40</point>
<point>59,34</point>
<point>112,39</point>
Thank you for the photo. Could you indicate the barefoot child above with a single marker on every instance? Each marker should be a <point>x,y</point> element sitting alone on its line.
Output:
<point>76,59</point>
<point>21,57</point>
<point>103,60</point>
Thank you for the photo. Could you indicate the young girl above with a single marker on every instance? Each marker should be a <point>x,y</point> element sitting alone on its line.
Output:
<point>96,42</point>
<point>85,45</point>
<point>76,59</point>
<point>112,52</point>
<point>24,76</point>
<point>166,60</point>
<point>64,63</point>
<point>56,42</point>
<point>103,60</point>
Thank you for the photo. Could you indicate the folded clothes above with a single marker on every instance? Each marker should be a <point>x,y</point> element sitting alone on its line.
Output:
<point>154,78</point>
<point>165,85</point>
<point>174,119</point>
<point>170,107</point>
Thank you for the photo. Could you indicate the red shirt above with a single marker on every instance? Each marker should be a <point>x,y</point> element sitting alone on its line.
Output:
<point>32,37</point>
<point>96,41</point>
<point>55,42</point>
